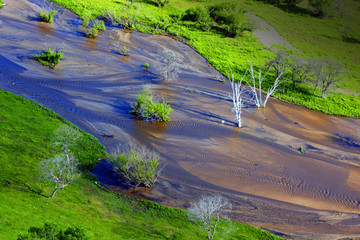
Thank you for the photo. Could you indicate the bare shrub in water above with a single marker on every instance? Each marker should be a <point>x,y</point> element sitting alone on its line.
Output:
<point>138,166</point>
<point>257,93</point>
<point>236,97</point>
<point>167,65</point>
<point>211,213</point>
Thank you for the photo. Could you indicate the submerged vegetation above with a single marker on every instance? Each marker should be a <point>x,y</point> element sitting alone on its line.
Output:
<point>48,18</point>
<point>221,32</point>
<point>138,166</point>
<point>95,28</point>
<point>84,209</point>
<point>49,57</point>
<point>148,108</point>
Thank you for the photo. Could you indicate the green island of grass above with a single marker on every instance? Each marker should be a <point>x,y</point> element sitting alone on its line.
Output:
<point>333,37</point>
<point>27,129</point>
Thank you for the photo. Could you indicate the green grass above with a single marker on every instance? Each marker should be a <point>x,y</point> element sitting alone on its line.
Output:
<point>312,36</point>
<point>26,130</point>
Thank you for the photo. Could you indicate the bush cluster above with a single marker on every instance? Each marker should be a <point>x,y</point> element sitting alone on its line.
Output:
<point>147,108</point>
<point>139,166</point>
<point>229,17</point>
<point>52,231</point>
<point>49,57</point>
<point>47,17</point>
<point>95,28</point>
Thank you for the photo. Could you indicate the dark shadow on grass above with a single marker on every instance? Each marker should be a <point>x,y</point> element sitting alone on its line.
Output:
<point>295,9</point>
<point>351,40</point>
<point>26,187</point>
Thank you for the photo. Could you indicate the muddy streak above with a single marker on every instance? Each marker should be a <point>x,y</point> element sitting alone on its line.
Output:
<point>259,167</point>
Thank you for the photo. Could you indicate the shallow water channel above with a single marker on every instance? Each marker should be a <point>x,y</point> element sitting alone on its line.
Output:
<point>259,167</point>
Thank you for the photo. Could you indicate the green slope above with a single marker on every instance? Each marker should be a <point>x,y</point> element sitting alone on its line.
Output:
<point>26,129</point>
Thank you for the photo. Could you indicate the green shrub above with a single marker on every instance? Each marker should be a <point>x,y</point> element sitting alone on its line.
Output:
<point>100,25</point>
<point>124,51</point>
<point>195,14</point>
<point>53,232</point>
<point>47,17</point>
<point>161,3</point>
<point>92,32</point>
<point>146,65</point>
<point>49,57</point>
<point>230,15</point>
<point>147,108</point>
<point>1,3</point>
<point>139,166</point>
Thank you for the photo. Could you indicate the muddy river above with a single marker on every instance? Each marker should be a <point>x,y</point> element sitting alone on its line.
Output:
<point>315,195</point>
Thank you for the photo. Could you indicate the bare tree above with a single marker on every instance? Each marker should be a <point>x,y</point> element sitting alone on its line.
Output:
<point>257,97</point>
<point>167,65</point>
<point>280,63</point>
<point>318,74</point>
<point>65,137</point>
<point>333,72</point>
<point>340,7</point>
<point>210,212</point>
<point>236,97</point>
<point>296,65</point>
<point>62,170</point>
<point>306,69</point>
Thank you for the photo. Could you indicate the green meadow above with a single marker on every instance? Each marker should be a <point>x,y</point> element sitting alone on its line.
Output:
<point>27,129</point>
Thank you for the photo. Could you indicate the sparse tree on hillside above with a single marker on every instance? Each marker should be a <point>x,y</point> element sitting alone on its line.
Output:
<point>296,65</point>
<point>63,168</point>
<point>340,8</point>
<point>322,7</point>
<point>210,212</point>
<point>280,63</point>
<point>333,72</point>
<point>318,72</point>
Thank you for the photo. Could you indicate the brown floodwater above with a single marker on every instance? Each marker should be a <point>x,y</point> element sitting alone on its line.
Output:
<point>259,167</point>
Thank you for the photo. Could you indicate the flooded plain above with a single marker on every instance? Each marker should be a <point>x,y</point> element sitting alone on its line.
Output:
<point>315,195</point>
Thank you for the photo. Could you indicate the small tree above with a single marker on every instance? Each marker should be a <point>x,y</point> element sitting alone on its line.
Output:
<point>332,73</point>
<point>62,170</point>
<point>66,137</point>
<point>138,166</point>
<point>322,7</point>
<point>236,97</point>
<point>317,72</point>
<point>340,8</point>
<point>210,212</point>
<point>280,63</point>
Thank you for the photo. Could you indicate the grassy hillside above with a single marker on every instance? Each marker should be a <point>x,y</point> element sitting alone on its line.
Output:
<point>26,129</point>
<point>314,37</point>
